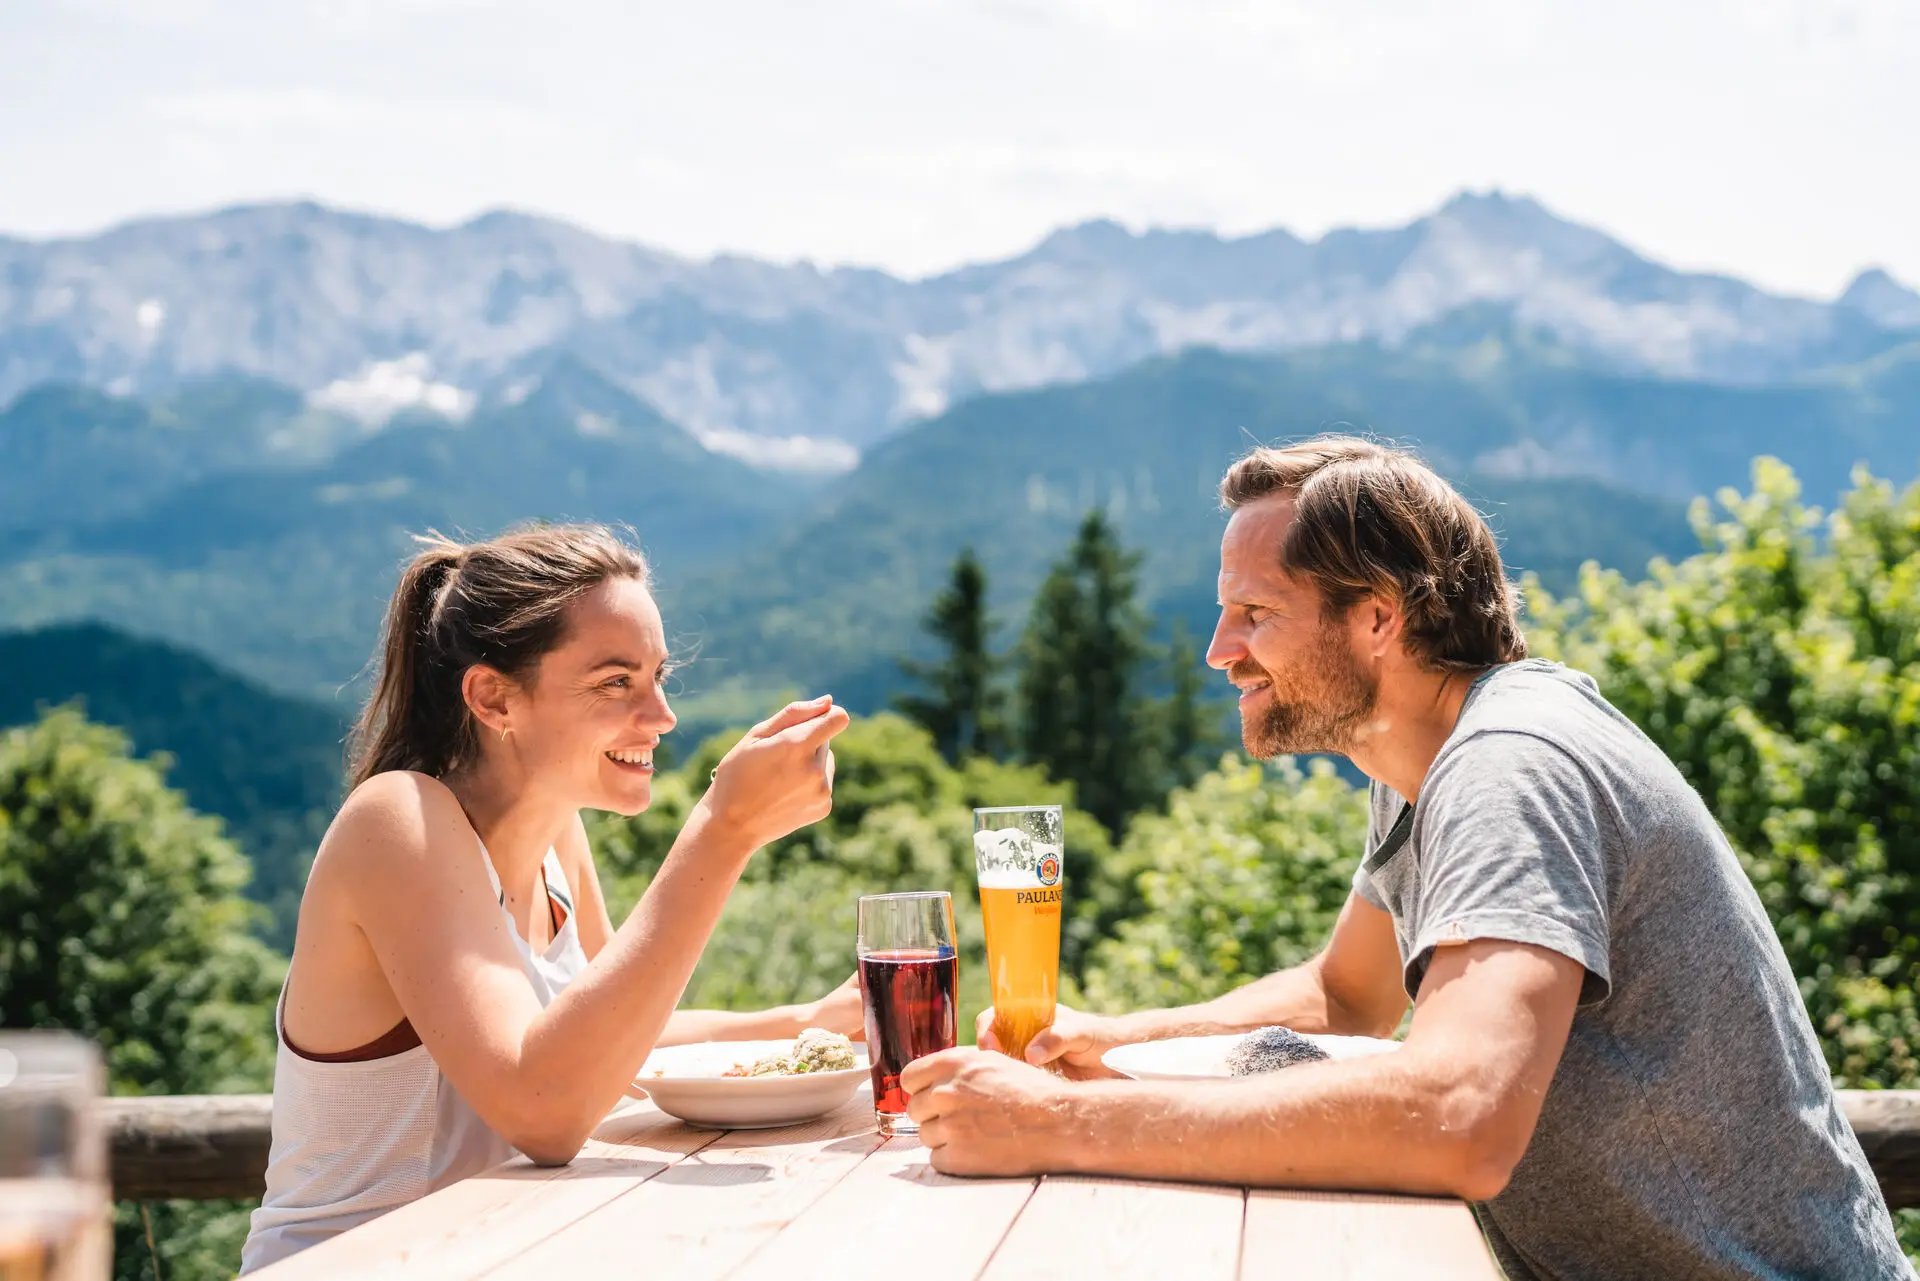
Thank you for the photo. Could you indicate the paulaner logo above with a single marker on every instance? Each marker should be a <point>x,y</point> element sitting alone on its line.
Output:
<point>1050,869</point>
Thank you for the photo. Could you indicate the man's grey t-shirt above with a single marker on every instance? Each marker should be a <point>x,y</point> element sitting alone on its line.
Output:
<point>1691,1129</point>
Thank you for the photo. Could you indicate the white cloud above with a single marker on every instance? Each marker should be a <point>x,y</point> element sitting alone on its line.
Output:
<point>820,454</point>
<point>150,315</point>
<point>386,387</point>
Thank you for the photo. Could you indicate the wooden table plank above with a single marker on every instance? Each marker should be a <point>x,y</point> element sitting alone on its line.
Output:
<point>1343,1236</point>
<point>895,1213</point>
<point>708,1213</point>
<point>480,1222</point>
<point>1115,1228</point>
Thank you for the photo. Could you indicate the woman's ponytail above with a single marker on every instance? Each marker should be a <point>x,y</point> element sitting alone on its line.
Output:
<point>414,720</point>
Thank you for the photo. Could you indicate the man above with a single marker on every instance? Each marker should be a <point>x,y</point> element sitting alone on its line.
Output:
<point>1608,1054</point>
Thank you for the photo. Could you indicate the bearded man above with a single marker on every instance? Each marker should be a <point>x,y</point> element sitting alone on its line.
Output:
<point>1607,1053</point>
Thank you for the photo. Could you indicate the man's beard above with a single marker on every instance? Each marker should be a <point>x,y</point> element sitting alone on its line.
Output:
<point>1323,708</point>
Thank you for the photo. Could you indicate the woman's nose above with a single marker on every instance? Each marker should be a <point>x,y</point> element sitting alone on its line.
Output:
<point>656,715</point>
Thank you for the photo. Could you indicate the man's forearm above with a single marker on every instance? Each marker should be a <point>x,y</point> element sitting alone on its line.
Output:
<point>1376,1123</point>
<point>1295,998</point>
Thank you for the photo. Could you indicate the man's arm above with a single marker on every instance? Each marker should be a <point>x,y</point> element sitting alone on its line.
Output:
<point>1451,1112</point>
<point>1353,987</point>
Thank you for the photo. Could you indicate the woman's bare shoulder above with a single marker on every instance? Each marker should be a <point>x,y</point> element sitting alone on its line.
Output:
<point>394,824</point>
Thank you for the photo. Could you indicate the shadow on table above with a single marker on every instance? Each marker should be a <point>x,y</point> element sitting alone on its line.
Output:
<point>858,1144</point>
<point>581,1167</point>
<point>694,1172</point>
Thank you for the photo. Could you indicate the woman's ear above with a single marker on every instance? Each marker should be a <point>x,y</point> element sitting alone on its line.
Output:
<point>489,697</point>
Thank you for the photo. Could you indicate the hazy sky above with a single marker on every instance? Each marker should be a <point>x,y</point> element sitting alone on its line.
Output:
<point>1776,139</point>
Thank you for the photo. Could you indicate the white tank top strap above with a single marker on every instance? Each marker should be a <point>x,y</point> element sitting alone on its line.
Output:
<point>556,877</point>
<point>551,872</point>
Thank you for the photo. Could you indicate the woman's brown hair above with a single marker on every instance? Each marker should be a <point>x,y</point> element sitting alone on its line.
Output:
<point>502,603</point>
<point>1369,520</point>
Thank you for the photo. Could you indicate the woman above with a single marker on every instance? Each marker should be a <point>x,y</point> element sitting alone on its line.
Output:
<point>457,990</point>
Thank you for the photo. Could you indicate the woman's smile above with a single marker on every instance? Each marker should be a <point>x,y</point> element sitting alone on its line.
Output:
<point>638,760</point>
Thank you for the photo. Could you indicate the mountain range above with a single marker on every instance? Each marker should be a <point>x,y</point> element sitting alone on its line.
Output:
<point>278,562</point>
<point>223,430</point>
<point>790,365</point>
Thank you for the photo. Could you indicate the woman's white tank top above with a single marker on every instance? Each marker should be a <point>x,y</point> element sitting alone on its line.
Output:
<point>352,1141</point>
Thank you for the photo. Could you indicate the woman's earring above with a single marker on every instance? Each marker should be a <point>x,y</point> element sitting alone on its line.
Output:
<point>504,731</point>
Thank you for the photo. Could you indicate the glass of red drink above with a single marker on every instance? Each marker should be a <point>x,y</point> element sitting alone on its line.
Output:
<point>909,976</point>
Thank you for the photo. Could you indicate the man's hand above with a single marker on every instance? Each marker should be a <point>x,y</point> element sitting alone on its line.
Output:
<point>1073,1045</point>
<point>983,1113</point>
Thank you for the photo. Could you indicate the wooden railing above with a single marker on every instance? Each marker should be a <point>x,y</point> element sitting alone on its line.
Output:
<point>215,1145</point>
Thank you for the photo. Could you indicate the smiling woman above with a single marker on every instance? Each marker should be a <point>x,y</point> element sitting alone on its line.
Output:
<point>457,990</point>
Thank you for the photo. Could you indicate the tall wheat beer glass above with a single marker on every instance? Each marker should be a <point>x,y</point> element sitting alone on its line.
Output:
<point>1017,854</point>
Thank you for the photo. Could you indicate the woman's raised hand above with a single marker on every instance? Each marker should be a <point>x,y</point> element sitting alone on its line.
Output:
<point>779,777</point>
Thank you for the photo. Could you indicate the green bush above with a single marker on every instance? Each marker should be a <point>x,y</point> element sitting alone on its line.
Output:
<point>126,924</point>
<point>901,820</point>
<point>1244,874</point>
<point>1780,669</point>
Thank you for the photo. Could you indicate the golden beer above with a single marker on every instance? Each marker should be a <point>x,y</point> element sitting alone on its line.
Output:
<point>1023,959</point>
<point>1022,892</point>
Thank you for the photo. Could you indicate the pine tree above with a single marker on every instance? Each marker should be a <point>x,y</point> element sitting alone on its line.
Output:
<point>961,705</point>
<point>1081,713</point>
<point>1190,735</point>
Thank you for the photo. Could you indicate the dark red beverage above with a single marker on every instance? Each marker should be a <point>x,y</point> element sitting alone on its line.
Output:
<point>910,1013</point>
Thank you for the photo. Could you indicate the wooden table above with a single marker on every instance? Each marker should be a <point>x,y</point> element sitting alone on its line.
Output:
<point>650,1197</point>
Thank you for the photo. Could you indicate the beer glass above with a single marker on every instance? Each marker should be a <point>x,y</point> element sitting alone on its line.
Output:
<point>54,1203</point>
<point>1017,854</point>
<point>909,976</point>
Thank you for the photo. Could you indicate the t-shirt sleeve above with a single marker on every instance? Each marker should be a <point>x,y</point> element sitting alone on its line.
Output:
<point>1512,844</point>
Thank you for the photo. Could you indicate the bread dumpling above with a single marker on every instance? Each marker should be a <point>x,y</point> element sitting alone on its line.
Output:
<point>1270,1049</point>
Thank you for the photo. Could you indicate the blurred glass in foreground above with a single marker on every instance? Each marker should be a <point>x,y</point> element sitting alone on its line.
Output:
<point>54,1198</point>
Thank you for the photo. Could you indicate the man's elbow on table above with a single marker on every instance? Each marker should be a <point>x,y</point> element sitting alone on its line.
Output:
<point>1487,1035</point>
<point>1479,1139</point>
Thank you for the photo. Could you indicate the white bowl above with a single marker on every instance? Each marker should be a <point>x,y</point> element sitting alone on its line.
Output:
<point>1198,1058</point>
<point>692,1089</point>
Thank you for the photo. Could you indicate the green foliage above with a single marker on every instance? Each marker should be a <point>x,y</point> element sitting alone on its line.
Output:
<point>902,819</point>
<point>1189,729</point>
<point>1780,669</point>
<point>126,924</point>
<point>1081,713</point>
<point>1243,875</point>
<point>961,705</point>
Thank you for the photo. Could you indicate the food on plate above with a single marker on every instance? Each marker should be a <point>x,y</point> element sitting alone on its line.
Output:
<point>816,1050</point>
<point>1270,1049</point>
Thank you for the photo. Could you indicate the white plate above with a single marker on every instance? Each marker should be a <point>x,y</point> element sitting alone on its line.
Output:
<point>1196,1058</point>
<point>694,1091</point>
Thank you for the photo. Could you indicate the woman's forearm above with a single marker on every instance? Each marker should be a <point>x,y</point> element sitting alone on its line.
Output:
<point>583,1050</point>
<point>782,1022</point>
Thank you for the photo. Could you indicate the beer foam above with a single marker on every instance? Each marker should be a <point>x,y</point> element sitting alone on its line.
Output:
<point>1007,878</point>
